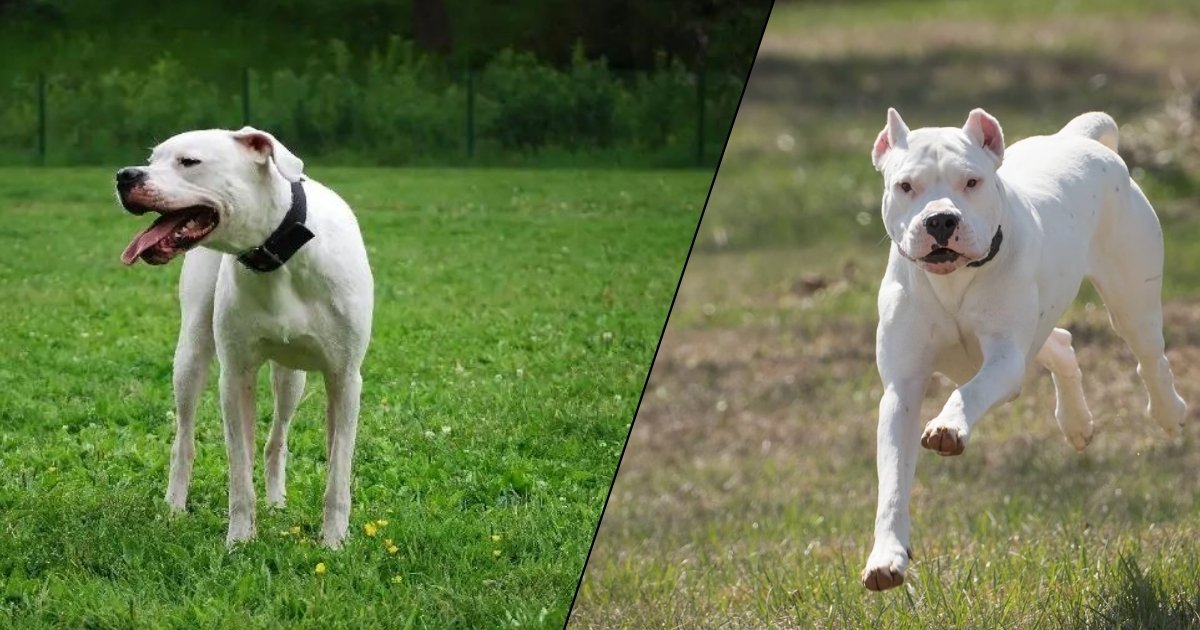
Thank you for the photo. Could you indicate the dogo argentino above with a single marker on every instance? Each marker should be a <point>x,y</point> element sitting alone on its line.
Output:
<point>990,246</point>
<point>280,275</point>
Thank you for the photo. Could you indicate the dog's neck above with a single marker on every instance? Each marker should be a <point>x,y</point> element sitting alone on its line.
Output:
<point>951,288</point>
<point>244,228</point>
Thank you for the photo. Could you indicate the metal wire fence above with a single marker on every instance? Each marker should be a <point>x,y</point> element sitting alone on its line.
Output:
<point>513,110</point>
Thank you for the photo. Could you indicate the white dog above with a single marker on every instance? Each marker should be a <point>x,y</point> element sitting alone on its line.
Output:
<point>986,258</point>
<point>282,276</point>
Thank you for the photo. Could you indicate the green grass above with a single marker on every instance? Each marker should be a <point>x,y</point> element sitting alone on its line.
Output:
<point>747,493</point>
<point>516,312</point>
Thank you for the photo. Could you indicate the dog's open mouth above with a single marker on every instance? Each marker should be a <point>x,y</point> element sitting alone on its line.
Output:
<point>941,255</point>
<point>171,234</point>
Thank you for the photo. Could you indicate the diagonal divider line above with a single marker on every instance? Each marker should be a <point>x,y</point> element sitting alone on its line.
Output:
<point>667,319</point>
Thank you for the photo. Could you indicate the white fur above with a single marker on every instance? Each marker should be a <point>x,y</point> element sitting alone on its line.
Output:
<point>1069,211</point>
<point>313,314</point>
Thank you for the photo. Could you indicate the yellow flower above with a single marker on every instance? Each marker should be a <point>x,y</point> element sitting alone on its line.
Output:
<point>495,537</point>
<point>295,530</point>
<point>320,568</point>
<point>387,542</point>
<point>396,579</point>
<point>381,523</point>
<point>370,529</point>
<point>496,553</point>
<point>393,549</point>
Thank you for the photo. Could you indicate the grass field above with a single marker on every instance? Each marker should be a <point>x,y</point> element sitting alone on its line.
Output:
<point>746,497</point>
<point>516,314</point>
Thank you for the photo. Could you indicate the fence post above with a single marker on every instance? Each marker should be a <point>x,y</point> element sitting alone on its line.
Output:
<point>41,105</point>
<point>245,96</point>
<point>700,76</point>
<point>470,113</point>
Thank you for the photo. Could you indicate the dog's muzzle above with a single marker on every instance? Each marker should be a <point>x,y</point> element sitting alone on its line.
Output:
<point>129,179</point>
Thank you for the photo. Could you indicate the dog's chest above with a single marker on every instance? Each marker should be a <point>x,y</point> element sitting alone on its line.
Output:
<point>300,352</point>
<point>290,323</point>
<point>295,338</point>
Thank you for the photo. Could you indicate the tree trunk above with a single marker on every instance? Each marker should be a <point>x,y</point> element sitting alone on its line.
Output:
<point>431,26</point>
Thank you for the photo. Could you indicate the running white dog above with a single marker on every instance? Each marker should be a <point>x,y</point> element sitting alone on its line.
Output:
<point>985,260</point>
<point>258,290</point>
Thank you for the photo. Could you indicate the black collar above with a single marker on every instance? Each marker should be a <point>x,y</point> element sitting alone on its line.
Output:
<point>285,241</point>
<point>992,252</point>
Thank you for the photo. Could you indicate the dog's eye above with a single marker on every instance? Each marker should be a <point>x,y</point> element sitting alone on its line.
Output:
<point>186,161</point>
<point>971,183</point>
<point>906,187</point>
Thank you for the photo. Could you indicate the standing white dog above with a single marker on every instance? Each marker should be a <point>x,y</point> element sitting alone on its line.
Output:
<point>985,260</point>
<point>282,277</point>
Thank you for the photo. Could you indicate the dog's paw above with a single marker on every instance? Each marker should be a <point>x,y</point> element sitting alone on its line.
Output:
<point>1083,437</point>
<point>1169,415</point>
<point>276,488</point>
<point>334,532</point>
<point>176,498</point>
<point>885,568</point>
<point>333,540</point>
<point>239,534</point>
<point>944,438</point>
<point>176,508</point>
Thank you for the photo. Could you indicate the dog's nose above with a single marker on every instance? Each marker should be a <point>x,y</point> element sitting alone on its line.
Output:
<point>941,226</point>
<point>129,177</point>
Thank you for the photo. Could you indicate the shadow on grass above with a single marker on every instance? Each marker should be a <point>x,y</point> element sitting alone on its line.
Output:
<point>800,150</point>
<point>955,78</point>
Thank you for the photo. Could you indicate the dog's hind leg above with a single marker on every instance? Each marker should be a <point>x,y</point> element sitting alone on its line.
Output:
<point>288,387</point>
<point>193,355</point>
<point>1071,410</point>
<point>1127,270</point>
<point>344,390</point>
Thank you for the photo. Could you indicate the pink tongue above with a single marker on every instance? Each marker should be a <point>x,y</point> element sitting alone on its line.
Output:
<point>162,227</point>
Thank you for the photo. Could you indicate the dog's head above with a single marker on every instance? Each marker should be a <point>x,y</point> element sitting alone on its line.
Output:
<point>205,186</point>
<point>941,197</point>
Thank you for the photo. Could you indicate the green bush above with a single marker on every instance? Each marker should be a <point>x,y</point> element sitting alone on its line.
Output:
<point>395,106</point>
<point>651,119</point>
<point>18,120</point>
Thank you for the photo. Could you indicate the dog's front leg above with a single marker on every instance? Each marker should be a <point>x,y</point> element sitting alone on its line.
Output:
<point>998,380</point>
<point>192,358</point>
<point>193,354</point>
<point>896,463</point>
<point>237,408</point>
<point>343,390</point>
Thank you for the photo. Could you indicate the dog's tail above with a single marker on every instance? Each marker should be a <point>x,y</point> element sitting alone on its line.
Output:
<point>1095,125</point>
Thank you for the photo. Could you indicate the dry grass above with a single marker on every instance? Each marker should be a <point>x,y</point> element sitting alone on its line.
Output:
<point>749,484</point>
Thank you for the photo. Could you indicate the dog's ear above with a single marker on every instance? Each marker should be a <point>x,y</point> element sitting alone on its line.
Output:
<point>263,145</point>
<point>894,135</point>
<point>984,130</point>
